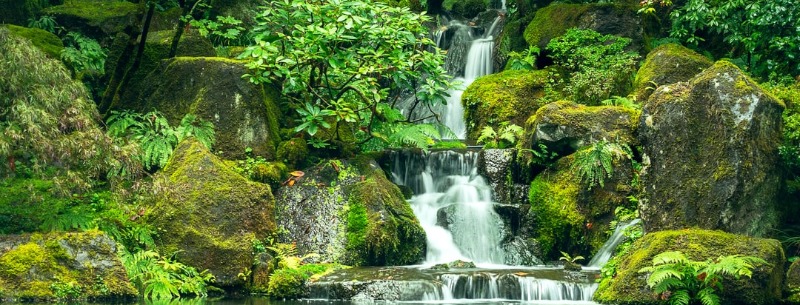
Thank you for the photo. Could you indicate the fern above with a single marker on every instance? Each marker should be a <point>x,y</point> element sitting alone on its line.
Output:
<point>506,136</point>
<point>684,281</point>
<point>160,278</point>
<point>202,130</point>
<point>595,163</point>
<point>419,136</point>
<point>155,137</point>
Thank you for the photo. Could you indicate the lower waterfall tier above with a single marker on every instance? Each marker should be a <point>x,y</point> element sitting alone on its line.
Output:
<point>419,285</point>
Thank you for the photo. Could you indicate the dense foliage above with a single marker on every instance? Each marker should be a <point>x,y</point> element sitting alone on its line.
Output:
<point>598,66</point>
<point>160,278</point>
<point>762,34</point>
<point>48,122</point>
<point>343,65</point>
<point>595,163</point>
<point>683,281</point>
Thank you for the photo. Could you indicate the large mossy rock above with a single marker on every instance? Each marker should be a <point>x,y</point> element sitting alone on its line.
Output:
<point>157,49</point>
<point>349,212</point>
<point>793,283</point>
<point>566,126</point>
<point>96,18</point>
<point>244,114</point>
<point>45,267</point>
<point>555,19</point>
<point>667,64</point>
<point>712,146</point>
<point>508,96</point>
<point>48,42</point>
<point>628,286</point>
<point>565,215</point>
<point>210,213</point>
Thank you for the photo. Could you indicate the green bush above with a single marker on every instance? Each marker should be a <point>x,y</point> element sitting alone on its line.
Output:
<point>597,66</point>
<point>286,283</point>
<point>761,34</point>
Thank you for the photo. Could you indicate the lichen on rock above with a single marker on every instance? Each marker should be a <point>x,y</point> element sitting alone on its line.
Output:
<point>628,286</point>
<point>711,154</point>
<point>208,214</point>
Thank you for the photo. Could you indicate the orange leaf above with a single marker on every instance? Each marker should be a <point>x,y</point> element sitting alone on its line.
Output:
<point>297,173</point>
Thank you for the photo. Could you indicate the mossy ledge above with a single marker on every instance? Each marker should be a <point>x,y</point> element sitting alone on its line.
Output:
<point>509,96</point>
<point>62,266</point>
<point>628,286</point>
<point>48,42</point>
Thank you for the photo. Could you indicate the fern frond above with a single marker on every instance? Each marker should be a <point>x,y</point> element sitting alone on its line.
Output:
<point>419,136</point>
<point>487,136</point>
<point>661,275</point>
<point>670,257</point>
<point>680,297</point>
<point>707,296</point>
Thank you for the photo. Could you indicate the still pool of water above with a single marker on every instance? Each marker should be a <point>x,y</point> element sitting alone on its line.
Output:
<point>266,301</point>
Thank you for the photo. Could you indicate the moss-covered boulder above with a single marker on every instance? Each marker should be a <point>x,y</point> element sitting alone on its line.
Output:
<point>793,283</point>
<point>157,49</point>
<point>209,213</point>
<point>712,147</point>
<point>244,114</point>
<point>62,266</point>
<point>667,64</point>
<point>96,18</point>
<point>555,19</point>
<point>48,42</point>
<point>566,126</point>
<point>565,215</point>
<point>348,211</point>
<point>508,96</point>
<point>628,286</point>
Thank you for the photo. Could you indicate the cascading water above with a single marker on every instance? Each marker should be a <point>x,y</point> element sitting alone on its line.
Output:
<point>453,205</point>
<point>605,252</point>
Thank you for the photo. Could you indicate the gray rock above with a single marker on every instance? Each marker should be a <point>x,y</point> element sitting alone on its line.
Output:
<point>498,166</point>
<point>712,148</point>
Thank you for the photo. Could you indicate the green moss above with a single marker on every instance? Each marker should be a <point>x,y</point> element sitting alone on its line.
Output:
<point>380,221</point>
<point>110,16</point>
<point>18,262</point>
<point>40,267</point>
<point>554,204</point>
<point>507,96</point>
<point>552,21</point>
<point>26,204</point>
<point>292,151</point>
<point>198,188</point>
<point>628,286</point>
<point>667,64</point>
<point>48,42</point>
<point>286,283</point>
<point>272,173</point>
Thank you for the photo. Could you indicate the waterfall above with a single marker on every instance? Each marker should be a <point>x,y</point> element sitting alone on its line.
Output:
<point>457,47</point>
<point>511,287</point>
<point>605,252</point>
<point>453,116</point>
<point>453,204</point>
<point>479,59</point>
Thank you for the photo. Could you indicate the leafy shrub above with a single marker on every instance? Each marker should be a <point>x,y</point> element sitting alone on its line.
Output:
<point>469,8</point>
<point>595,163</point>
<point>523,61</point>
<point>83,54</point>
<point>45,22</point>
<point>342,71</point>
<point>49,125</point>
<point>155,137</point>
<point>224,31</point>
<point>683,281</point>
<point>762,33</point>
<point>597,65</point>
